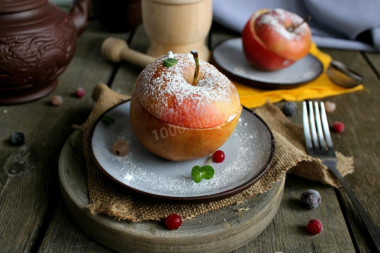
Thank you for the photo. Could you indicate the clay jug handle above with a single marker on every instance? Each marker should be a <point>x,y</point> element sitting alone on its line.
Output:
<point>79,14</point>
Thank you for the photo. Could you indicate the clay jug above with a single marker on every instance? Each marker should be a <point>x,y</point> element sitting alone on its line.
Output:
<point>37,42</point>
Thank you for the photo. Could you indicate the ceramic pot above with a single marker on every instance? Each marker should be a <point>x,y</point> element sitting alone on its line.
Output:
<point>177,25</point>
<point>37,42</point>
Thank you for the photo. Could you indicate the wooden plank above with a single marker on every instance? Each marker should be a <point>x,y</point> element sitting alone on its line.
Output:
<point>63,235</point>
<point>29,185</point>
<point>374,60</point>
<point>287,232</point>
<point>281,235</point>
<point>359,111</point>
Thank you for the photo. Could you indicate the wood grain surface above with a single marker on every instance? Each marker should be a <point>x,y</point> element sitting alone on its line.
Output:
<point>33,218</point>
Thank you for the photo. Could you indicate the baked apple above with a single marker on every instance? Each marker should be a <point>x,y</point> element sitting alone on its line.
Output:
<point>275,39</point>
<point>183,108</point>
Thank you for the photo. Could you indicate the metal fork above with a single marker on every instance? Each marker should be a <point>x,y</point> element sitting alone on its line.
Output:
<point>319,145</point>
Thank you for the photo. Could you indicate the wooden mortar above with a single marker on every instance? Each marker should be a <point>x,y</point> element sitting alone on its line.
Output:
<point>177,25</point>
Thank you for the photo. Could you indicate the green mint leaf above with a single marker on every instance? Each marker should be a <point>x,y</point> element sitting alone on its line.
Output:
<point>107,120</point>
<point>196,174</point>
<point>169,62</point>
<point>207,172</point>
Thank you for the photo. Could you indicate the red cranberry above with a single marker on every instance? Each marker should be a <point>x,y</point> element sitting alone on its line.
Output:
<point>338,126</point>
<point>173,221</point>
<point>314,227</point>
<point>80,92</point>
<point>218,156</point>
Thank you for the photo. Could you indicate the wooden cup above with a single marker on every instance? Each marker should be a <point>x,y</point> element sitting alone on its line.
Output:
<point>177,25</point>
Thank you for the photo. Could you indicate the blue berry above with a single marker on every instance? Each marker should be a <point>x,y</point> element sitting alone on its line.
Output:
<point>289,108</point>
<point>17,139</point>
<point>311,198</point>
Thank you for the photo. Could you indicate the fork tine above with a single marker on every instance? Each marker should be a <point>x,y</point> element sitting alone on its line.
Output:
<point>306,127</point>
<point>325,124</point>
<point>312,125</point>
<point>319,125</point>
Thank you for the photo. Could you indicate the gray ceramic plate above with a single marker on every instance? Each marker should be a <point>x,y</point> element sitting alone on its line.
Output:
<point>249,152</point>
<point>229,57</point>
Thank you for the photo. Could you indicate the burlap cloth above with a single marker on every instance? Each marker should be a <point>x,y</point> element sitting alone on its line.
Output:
<point>112,199</point>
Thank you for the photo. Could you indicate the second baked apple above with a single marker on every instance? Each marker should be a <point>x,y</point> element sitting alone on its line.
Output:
<point>275,39</point>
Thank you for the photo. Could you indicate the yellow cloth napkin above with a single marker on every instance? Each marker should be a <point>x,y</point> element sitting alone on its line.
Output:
<point>319,88</point>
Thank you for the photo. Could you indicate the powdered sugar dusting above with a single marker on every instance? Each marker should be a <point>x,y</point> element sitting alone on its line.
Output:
<point>168,94</point>
<point>278,17</point>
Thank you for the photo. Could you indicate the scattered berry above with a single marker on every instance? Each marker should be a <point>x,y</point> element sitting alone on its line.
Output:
<point>330,106</point>
<point>338,126</point>
<point>173,221</point>
<point>289,108</point>
<point>311,198</point>
<point>80,92</point>
<point>120,148</point>
<point>56,100</point>
<point>314,227</point>
<point>17,138</point>
<point>218,156</point>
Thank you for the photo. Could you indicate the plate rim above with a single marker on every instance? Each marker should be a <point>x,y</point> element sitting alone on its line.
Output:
<point>262,84</point>
<point>211,197</point>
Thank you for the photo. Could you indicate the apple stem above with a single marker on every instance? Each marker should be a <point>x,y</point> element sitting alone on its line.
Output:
<point>305,20</point>
<point>196,73</point>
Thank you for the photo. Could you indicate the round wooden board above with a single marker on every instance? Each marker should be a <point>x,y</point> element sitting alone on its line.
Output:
<point>216,231</point>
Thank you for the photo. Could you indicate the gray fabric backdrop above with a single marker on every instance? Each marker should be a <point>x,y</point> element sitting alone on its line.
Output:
<point>334,23</point>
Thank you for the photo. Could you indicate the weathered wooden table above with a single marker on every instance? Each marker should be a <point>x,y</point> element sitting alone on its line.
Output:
<point>33,218</point>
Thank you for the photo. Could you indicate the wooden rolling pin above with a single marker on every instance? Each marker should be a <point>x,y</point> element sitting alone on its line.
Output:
<point>117,50</point>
